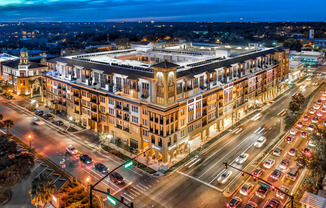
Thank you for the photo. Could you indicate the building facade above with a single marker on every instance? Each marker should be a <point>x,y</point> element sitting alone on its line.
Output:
<point>172,108</point>
<point>24,75</point>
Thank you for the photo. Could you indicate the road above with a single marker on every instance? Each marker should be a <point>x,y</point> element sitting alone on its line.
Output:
<point>193,185</point>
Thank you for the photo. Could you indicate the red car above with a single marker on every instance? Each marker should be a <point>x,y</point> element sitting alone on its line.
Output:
<point>289,139</point>
<point>304,134</point>
<point>305,118</point>
<point>292,152</point>
<point>257,172</point>
<point>306,151</point>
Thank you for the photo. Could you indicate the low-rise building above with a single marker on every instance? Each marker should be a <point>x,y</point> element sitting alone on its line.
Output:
<point>309,58</point>
<point>147,101</point>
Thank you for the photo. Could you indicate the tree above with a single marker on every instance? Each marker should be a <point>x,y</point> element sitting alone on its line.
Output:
<point>15,166</point>
<point>8,124</point>
<point>296,102</point>
<point>42,190</point>
<point>294,106</point>
<point>103,137</point>
<point>292,44</point>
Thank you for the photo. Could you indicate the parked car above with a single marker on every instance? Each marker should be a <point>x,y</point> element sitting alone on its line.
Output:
<point>260,141</point>
<point>71,150</point>
<point>242,158</point>
<point>257,172</point>
<point>277,151</point>
<point>261,192</point>
<point>273,203</point>
<point>85,159</point>
<point>116,178</point>
<point>101,168</point>
<point>225,176</point>
<point>292,174</point>
<point>39,112</point>
<point>280,194</point>
<point>246,189</point>
<point>234,202</point>
<point>48,116</point>
<point>58,122</point>
<point>38,121</point>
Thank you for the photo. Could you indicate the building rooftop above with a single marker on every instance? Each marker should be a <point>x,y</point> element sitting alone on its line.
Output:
<point>313,200</point>
<point>7,57</point>
<point>14,64</point>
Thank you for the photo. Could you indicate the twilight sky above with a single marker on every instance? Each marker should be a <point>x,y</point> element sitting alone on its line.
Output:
<point>162,10</point>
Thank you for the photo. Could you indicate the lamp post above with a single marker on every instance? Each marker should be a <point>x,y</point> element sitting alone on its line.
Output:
<point>30,142</point>
<point>70,120</point>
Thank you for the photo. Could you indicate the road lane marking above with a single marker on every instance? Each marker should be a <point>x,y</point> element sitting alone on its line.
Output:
<point>190,161</point>
<point>203,182</point>
<point>37,166</point>
<point>141,188</point>
<point>135,191</point>
<point>122,188</point>
<point>194,163</point>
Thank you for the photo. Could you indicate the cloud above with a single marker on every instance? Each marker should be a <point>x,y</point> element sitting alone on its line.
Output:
<point>160,10</point>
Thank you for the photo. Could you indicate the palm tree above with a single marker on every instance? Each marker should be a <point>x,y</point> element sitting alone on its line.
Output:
<point>8,124</point>
<point>42,190</point>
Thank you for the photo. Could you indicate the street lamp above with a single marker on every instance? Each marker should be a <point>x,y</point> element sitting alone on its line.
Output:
<point>30,142</point>
<point>70,120</point>
<point>88,182</point>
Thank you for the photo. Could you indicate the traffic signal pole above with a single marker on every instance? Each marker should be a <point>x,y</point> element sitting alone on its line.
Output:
<point>244,172</point>
<point>92,187</point>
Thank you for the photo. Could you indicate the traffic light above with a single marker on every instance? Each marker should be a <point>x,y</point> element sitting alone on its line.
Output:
<point>110,198</point>
<point>128,164</point>
<point>242,173</point>
<point>273,188</point>
<point>255,178</point>
<point>226,165</point>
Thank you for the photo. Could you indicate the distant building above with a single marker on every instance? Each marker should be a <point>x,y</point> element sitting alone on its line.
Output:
<point>310,200</point>
<point>142,45</point>
<point>309,58</point>
<point>23,74</point>
<point>311,34</point>
<point>4,57</point>
<point>296,70</point>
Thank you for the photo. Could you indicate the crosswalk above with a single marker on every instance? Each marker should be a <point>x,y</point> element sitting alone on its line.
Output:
<point>192,162</point>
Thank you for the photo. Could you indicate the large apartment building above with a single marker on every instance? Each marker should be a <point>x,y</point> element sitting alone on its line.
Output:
<point>170,100</point>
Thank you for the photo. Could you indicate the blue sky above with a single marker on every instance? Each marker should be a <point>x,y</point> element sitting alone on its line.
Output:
<point>162,10</point>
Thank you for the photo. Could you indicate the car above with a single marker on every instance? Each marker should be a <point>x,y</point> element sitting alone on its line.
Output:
<point>305,118</point>
<point>269,163</point>
<point>284,164</point>
<point>251,204</point>
<point>308,78</point>
<point>277,151</point>
<point>116,178</point>
<point>315,83</point>
<point>311,127</point>
<point>238,130</point>
<point>302,87</point>
<point>319,113</point>
<point>299,164</point>
<point>289,139</point>
<point>299,124</point>
<point>101,168</point>
<point>273,203</point>
<point>306,151</point>
<point>311,143</point>
<point>242,158</point>
<point>256,117</point>
<point>224,176</point>
<point>304,134</point>
<point>246,189</point>
<point>292,152</point>
<point>319,102</point>
<point>323,98</point>
<point>85,159</point>
<point>324,95</point>
<point>281,194</point>
<point>324,123</point>
<point>260,141</point>
<point>260,129</point>
<point>292,174</point>
<point>323,110</point>
<point>39,112</point>
<point>293,131</point>
<point>58,122</point>
<point>38,121</point>
<point>312,111</point>
<point>72,150</point>
<point>275,174</point>
<point>261,192</point>
<point>257,172</point>
<point>324,104</point>
<point>315,119</point>
<point>48,116</point>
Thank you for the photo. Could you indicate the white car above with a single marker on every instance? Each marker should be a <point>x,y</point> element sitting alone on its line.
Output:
<point>256,117</point>
<point>38,121</point>
<point>242,158</point>
<point>269,163</point>
<point>308,78</point>
<point>224,176</point>
<point>293,131</point>
<point>71,150</point>
<point>246,189</point>
<point>260,141</point>
<point>311,144</point>
<point>316,107</point>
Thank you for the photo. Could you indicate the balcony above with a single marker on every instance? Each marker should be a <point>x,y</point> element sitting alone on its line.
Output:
<point>119,126</point>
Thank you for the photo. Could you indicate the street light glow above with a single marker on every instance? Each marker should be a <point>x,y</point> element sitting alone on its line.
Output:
<point>88,179</point>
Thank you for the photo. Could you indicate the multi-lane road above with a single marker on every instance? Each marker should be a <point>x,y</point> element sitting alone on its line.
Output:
<point>192,185</point>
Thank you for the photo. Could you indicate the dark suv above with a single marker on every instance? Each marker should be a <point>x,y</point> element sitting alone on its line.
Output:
<point>39,112</point>
<point>48,117</point>
<point>261,192</point>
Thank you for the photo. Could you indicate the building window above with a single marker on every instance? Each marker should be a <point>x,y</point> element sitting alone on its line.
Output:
<point>198,124</point>
<point>145,86</point>
<point>134,119</point>
<point>198,104</point>
<point>134,109</point>
<point>103,118</point>
<point>182,111</point>
<point>182,133</point>
<point>111,101</point>
<point>111,120</point>
<point>145,122</point>
<point>190,128</point>
<point>190,118</point>
<point>102,108</point>
<point>133,144</point>
<point>111,111</point>
<point>145,132</point>
<point>198,114</point>
<point>182,122</point>
<point>145,112</point>
<point>84,93</point>
<point>190,108</point>
<point>102,99</point>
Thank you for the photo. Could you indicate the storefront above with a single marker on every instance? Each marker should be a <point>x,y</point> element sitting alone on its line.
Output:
<point>213,129</point>
<point>194,143</point>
